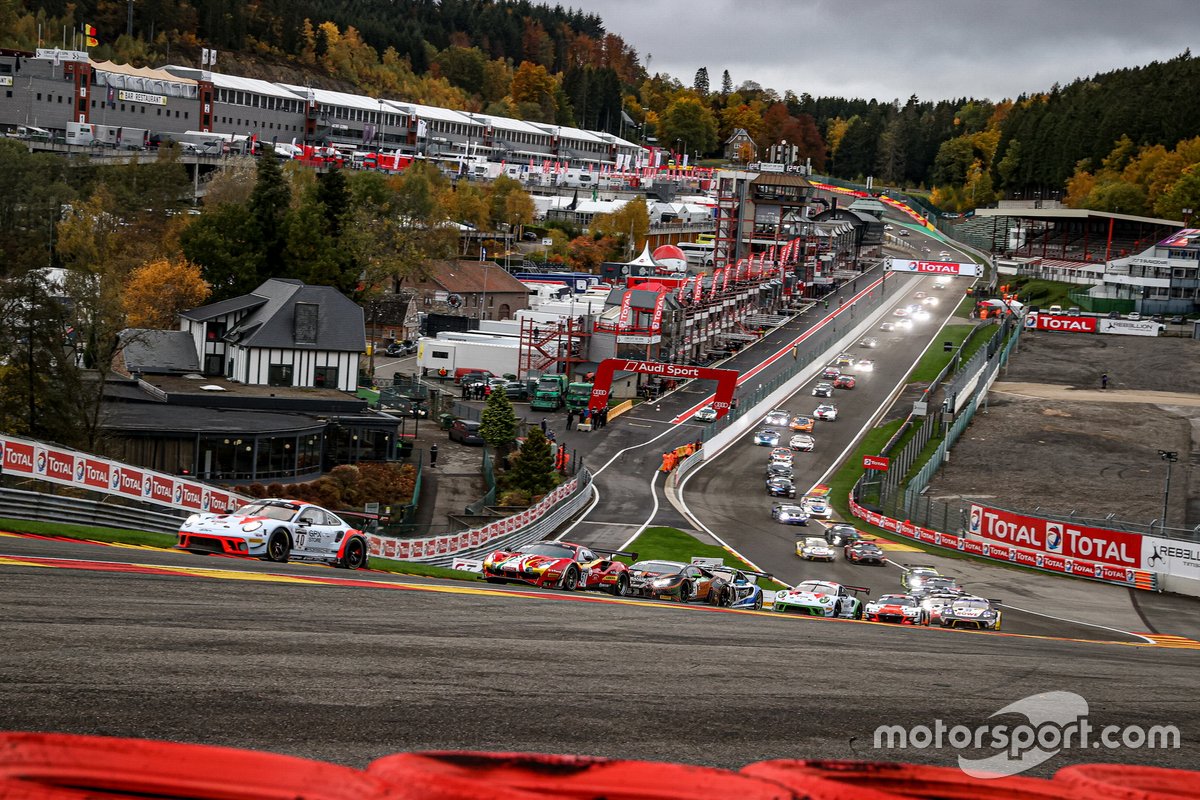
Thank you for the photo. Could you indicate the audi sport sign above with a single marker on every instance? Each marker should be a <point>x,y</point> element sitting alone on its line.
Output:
<point>1054,538</point>
<point>1054,322</point>
<point>951,268</point>
<point>879,463</point>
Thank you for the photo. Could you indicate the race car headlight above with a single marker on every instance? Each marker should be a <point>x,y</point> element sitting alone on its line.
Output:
<point>251,526</point>
<point>192,519</point>
<point>911,612</point>
<point>661,582</point>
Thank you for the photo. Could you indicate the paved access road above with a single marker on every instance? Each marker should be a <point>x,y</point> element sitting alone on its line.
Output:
<point>258,656</point>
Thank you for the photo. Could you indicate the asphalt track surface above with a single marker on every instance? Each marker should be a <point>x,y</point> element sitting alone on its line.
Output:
<point>275,657</point>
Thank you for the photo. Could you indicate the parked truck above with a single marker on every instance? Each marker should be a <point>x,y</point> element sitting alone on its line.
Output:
<point>550,393</point>
<point>578,396</point>
<point>443,358</point>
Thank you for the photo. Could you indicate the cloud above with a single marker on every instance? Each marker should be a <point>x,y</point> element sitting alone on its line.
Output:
<point>891,50</point>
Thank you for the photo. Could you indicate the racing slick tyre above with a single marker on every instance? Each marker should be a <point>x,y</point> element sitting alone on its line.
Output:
<point>758,602</point>
<point>621,588</point>
<point>858,612</point>
<point>570,580</point>
<point>685,592</point>
<point>356,555</point>
<point>279,547</point>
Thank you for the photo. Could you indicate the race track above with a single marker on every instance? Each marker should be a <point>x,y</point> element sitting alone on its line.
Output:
<point>257,657</point>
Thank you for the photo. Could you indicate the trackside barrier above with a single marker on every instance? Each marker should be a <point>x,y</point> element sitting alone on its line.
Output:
<point>619,409</point>
<point>1046,562</point>
<point>26,458</point>
<point>20,504</point>
<point>529,525</point>
<point>55,766</point>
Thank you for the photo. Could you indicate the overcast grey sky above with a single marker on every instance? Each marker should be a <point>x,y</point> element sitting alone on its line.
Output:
<point>936,49</point>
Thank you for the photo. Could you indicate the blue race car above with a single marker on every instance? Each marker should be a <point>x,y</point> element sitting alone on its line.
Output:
<point>767,437</point>
<point>736,588</point>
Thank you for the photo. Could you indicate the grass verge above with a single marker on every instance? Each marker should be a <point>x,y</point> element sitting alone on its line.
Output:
<point>87,532</point>
<point>672,544</point>
<point>421,570</point>
<point>936,358</point>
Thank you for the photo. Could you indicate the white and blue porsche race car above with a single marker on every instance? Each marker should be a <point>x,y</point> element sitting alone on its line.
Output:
<point>276,530</point>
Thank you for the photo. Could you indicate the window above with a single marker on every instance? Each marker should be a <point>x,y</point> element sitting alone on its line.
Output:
<point>279,375</point>
<point>325,377</point>
<point>214,331</point>
<point>440,354</point>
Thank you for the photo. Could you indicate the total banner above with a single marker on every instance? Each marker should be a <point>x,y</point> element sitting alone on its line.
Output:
<point>934,267</point>
<point>1049,562</point>
<point>1056,322</point>
<point>65,467</point>
<point>1051,537</point>
<point>440,546</point>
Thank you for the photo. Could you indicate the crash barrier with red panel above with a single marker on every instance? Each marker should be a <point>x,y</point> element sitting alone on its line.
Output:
<point>66,467</point>
<point>726,380</point>
<point>1047,560</point>
<point>526,526</point>
<point>52,766</point>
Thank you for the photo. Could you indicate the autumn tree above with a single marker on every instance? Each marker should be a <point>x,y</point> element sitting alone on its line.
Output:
<point>628,225</point>
<point>691,122</point>
<point>156,292</point>
<point>533,90</point>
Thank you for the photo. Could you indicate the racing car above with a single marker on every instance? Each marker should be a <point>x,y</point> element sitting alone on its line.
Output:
<point>904,325</point>
<point>781,455</point>
<point>779,416</point>
<point>862,552</point>
<point>705,414</point>
<point>562,565</point>
<point>971,612</point>
<point>844,382</point>
<point>888,326</point>
<point>736,588</point>
<point>934,603</point>
<point>781,487</point>
<point>814,548</point>
<point>643,573</point>
<point>767,437</point>
<point>866,365</point>
<point>823,389</point>
<point>826,411</point>
<point>842,534</point>
<point>789,514</point>
<point>915,574</point>
<point>822,599</point>
<point>844,360</point>
<point>686,583</point>
<point>778,469</point>
<point>816,505</point>
<point>902,608</point>
<point>803,424</point>
<point>802,441</point>
<point>276,530</point>
<point>831,372</point>
<point>901,312</point>
<point>870,342</point>
<point>940,583</point>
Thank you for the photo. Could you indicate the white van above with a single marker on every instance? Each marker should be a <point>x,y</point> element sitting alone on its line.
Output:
<point>1055,309</point>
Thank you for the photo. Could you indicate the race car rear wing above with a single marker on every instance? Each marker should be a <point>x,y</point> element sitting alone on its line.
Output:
<point>911,567</point>
<point>605,552</point>
<point>857,589</point>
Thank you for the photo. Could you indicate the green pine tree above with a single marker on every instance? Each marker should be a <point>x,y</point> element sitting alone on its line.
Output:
<point>533,466</point>
<point>498,422</point>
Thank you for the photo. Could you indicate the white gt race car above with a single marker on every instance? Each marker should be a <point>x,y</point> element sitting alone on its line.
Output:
<point>276,530</point>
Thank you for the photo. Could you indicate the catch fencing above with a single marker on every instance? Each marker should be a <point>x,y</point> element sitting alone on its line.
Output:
<point>38,506</point>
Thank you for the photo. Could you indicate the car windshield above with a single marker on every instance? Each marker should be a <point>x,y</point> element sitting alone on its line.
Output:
<point>268,510</point>
<point>661,567</point>
<point>817,587</point>
<point>975,602</point>
<point>898,600</point>
<point>814,542</point>
<point>547,549</point>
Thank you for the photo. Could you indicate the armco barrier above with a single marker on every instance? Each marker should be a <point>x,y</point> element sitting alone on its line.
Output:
<point>527,526</point>
<point>1075,567</point>
<point>45,462</point>
<point>19,504</point>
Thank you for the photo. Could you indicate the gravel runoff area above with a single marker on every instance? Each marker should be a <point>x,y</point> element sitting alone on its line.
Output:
<point>1052,438</point>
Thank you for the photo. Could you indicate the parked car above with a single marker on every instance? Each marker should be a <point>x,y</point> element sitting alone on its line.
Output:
<point>466,431</point>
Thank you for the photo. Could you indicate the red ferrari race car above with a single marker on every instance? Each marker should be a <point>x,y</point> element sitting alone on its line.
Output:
<point>560,565</point>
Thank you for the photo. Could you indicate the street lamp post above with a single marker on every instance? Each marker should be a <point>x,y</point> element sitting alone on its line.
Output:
<point>1187,216</point>
<point>1169,456</point>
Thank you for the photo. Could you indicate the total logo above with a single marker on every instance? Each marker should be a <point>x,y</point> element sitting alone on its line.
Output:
<point>80,469</point>
<point>178,494</point>
<point>39,461</point>
<point>1054,537</point>
<point>147,486</point>
<point>114,480</point>
<point>1039,560</point>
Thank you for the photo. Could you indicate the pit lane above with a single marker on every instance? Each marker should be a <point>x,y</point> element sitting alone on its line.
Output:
<point>348,673</point>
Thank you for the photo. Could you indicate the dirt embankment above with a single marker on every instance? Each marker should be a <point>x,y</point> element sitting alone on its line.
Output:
<point>1052,439</point>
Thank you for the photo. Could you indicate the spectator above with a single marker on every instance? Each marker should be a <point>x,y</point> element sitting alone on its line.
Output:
<point>545,424</point>
<point>1104,381</point>
<point>570,417</point>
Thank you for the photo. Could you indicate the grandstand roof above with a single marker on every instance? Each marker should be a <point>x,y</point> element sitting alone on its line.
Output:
<point>1050,214</point>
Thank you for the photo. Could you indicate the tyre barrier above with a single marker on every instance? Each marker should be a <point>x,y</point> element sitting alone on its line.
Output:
<point>876,780</point>
<point>55,766</point>
<point>535,775</point>
<point>1121,782</point>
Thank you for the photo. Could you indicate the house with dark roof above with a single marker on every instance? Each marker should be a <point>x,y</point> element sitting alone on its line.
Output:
<point>284,333</point>
<point>476,289</point>
<point>740,146</point>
